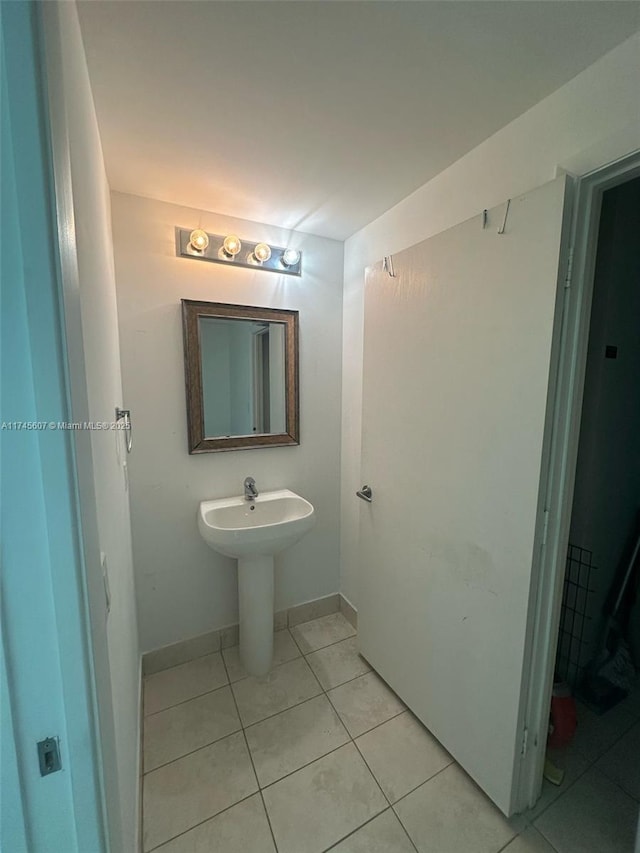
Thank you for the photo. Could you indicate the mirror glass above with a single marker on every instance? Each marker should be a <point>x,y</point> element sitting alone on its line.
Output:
<point>241,376</point>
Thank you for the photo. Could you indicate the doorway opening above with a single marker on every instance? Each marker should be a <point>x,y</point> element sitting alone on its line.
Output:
<point>598,649</point>
<point>594,468</point>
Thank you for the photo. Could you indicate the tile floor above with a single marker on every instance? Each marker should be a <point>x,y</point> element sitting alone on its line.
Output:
<point>320,755</point>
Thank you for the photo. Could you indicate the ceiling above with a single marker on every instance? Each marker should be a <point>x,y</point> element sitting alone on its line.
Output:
<point>319,115</point>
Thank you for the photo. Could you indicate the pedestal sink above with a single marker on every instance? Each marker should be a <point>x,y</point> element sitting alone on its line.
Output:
<point>253,531</point>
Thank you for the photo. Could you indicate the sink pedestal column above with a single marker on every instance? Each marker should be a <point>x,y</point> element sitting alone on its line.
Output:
<point>255,594</point>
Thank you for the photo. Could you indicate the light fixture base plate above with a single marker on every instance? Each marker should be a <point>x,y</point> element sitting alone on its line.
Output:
<point>215,254</point>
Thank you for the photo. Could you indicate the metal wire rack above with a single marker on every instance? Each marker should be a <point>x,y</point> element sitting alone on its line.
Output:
<point>572,656</point>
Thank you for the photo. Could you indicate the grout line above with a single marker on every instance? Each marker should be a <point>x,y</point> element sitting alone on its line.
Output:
<point>284,711</point>
<point>424,782</point>
<point>328,646</point>
<point>377,725</point>
<point>342,683</point>
<point>271,716</point>
<point>246,743</point>
<point>197,749</point>
<point>264,805</point>
<point>366,823</point>
<point>290,630</point>
<point>308,764</point>
<point>201,822</point>
<point>184,701</point>
<point>531,826</point>
<point>353,832</point>
<point>275,714</point>
<point>266,814</point>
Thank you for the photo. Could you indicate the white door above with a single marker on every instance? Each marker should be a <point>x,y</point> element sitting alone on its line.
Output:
<point>457,354</point>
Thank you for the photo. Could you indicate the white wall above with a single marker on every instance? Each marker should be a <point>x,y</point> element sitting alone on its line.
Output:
<point>589,122</point>
<point>96,390</point>
<point>185,588</point>
<point>607,489</point>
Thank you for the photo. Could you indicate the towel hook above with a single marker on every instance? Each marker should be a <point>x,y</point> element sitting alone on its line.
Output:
<point>125,414</point>
<point>504,221</point>
<point>387,265</point>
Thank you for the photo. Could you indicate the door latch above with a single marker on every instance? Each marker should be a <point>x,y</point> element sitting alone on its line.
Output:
<point>49,755</point>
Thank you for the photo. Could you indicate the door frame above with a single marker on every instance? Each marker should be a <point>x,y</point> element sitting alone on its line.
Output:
<point>562,434</point>
<point>46,655</point>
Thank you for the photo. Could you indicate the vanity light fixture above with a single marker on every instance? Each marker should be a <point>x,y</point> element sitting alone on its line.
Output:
<point>231,245</point>
<point>290,257</point>
<point>262,252</point>
<point>198,240</point>
<point>199,245</point>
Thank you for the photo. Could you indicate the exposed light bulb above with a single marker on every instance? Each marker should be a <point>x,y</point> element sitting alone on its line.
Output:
<point>290,257</point>
<point>198,240</point>
<point>262,252</point>
<point>231,245</point>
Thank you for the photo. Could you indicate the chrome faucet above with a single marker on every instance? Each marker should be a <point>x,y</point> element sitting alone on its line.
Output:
<point>250,489</point>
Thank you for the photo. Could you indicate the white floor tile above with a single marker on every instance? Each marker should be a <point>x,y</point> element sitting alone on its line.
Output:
<point>241,829</point>
<point>322,632</point>
<point>594,816</point>
<point>338,663</point>
<point>402,754</point>
<point>199,785</point>
<point>622,762</point>
<point>283,687</point>
<point>186,792</point>
<point>450,814</point>
<point>530,841</point>
<point>293,738</point>
<point>322,803</point>
<point>189,726</point>
<point>284,649</point>
<point>596,733</point>
<point>383,834</point>
<point>574,765</point>
<point>171,686</point>
<point>364,703</point>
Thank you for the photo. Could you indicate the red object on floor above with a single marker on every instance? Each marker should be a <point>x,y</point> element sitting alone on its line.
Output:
<point>564,718</point>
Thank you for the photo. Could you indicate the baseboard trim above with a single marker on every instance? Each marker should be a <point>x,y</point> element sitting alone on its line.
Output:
<point>348,611</point>
<point>223,638</point>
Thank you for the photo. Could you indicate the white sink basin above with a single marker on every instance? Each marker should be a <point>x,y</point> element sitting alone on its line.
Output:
<point>253,531</point>
<point>264,526</point>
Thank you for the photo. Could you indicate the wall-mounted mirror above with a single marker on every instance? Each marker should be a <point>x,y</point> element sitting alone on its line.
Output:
<point>241,371</point>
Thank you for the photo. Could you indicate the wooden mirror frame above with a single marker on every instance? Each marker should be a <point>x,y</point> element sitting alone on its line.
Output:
<point>192,310</point>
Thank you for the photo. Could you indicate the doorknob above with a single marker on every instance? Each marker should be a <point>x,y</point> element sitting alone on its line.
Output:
<point>365,493</point>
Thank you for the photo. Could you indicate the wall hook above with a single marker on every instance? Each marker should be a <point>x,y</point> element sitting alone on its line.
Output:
<point>504,221</point>
<point>125,414</point>
<point>387,265</point>
<point>484,219</point>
